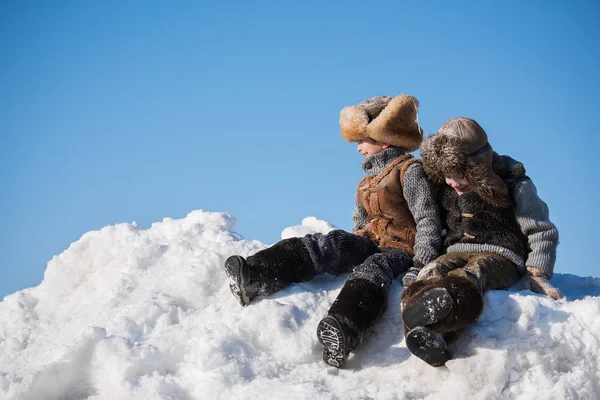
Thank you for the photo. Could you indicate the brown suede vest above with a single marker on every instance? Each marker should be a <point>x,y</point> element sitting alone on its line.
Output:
<point>469,219</point>
<point>389,220</point>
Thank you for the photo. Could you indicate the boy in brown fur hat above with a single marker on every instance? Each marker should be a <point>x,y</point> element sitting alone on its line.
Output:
<point>396,228</point>
<point>498,229</point>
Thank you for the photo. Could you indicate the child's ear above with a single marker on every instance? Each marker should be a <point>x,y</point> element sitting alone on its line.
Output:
<point>385,145</point>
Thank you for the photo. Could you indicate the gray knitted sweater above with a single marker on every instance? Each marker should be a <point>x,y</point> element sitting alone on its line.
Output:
<point>420,195</point>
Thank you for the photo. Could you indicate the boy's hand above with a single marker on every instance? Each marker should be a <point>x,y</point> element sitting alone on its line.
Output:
<point>412,273</point>
<point>537,281</point>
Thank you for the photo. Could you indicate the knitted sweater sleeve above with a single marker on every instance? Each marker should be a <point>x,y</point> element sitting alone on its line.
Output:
<point>359,217</point>
<point>420,195</point>
<point>533,219</point>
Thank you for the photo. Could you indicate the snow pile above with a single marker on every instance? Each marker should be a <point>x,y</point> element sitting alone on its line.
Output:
<point>309,225</point>
<point>128,313</point>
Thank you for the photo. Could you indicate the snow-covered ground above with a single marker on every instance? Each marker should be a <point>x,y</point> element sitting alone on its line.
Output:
<point>132,313</point>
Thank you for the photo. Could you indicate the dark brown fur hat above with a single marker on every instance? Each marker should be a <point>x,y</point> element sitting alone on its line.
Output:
<point>385,119</point>
<point>451,151</point>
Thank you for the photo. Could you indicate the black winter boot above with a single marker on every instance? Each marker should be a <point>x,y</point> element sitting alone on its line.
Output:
<point>269,270</point>
<point>351,319</point>
<point>433,306</point>
<point>242,286</point>
<point>466,304</point>
<point>428,345</point>
<point>332,335</point>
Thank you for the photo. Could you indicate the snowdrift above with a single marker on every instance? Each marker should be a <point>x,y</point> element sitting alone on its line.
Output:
<point>132,313</point>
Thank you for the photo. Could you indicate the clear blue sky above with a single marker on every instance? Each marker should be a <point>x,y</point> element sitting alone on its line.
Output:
<point>134,111</point>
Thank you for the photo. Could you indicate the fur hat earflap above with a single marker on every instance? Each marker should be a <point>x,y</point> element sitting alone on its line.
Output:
<point>461,147</point>
<point>390,120</point>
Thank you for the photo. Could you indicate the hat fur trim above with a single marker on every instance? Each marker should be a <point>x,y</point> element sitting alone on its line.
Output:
<point>385,119</point>
<point>444,155</point>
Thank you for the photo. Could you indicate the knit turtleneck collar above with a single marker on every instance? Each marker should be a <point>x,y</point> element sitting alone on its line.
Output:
<point>373,165</point>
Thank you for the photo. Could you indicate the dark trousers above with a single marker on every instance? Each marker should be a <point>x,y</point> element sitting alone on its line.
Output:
<point>364,295</point>
<point>489,271</point>
<point>339,251</point>
<point>466,277</point>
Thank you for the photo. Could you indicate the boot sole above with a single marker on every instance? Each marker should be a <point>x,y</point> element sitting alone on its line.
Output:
<point>236,269</point>
<point>428,345</point>
<point>331,335</point>
<point>432,307</point>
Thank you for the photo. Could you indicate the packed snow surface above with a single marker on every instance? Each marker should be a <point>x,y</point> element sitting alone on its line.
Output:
<point>133,313</point>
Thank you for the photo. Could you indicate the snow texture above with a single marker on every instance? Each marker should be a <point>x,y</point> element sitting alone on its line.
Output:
<point>132,313</point>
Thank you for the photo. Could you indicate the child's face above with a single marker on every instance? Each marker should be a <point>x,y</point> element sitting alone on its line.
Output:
<point>369,147</point>
<point>457,183</point>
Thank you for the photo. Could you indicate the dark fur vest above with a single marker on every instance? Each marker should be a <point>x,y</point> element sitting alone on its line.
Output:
<point>470,219</point>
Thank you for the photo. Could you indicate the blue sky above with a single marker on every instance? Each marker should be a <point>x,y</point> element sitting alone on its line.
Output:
<point>135,111</point>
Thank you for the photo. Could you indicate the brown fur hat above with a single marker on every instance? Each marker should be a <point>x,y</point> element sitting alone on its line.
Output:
<point>461,147</point>
<point>385,119</point>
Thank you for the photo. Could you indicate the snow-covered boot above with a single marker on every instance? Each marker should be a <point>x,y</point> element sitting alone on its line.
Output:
<point>241,283</point>
<point>433,306</point>
<point>430,296</point>
<point>333,337</point>
<point>351,319</point>
<point>428,345</point>
<point>269,270</point>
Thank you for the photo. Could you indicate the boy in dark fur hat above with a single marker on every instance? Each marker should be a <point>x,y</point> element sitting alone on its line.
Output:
<point>396,228</point>
<point>498,230</point>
